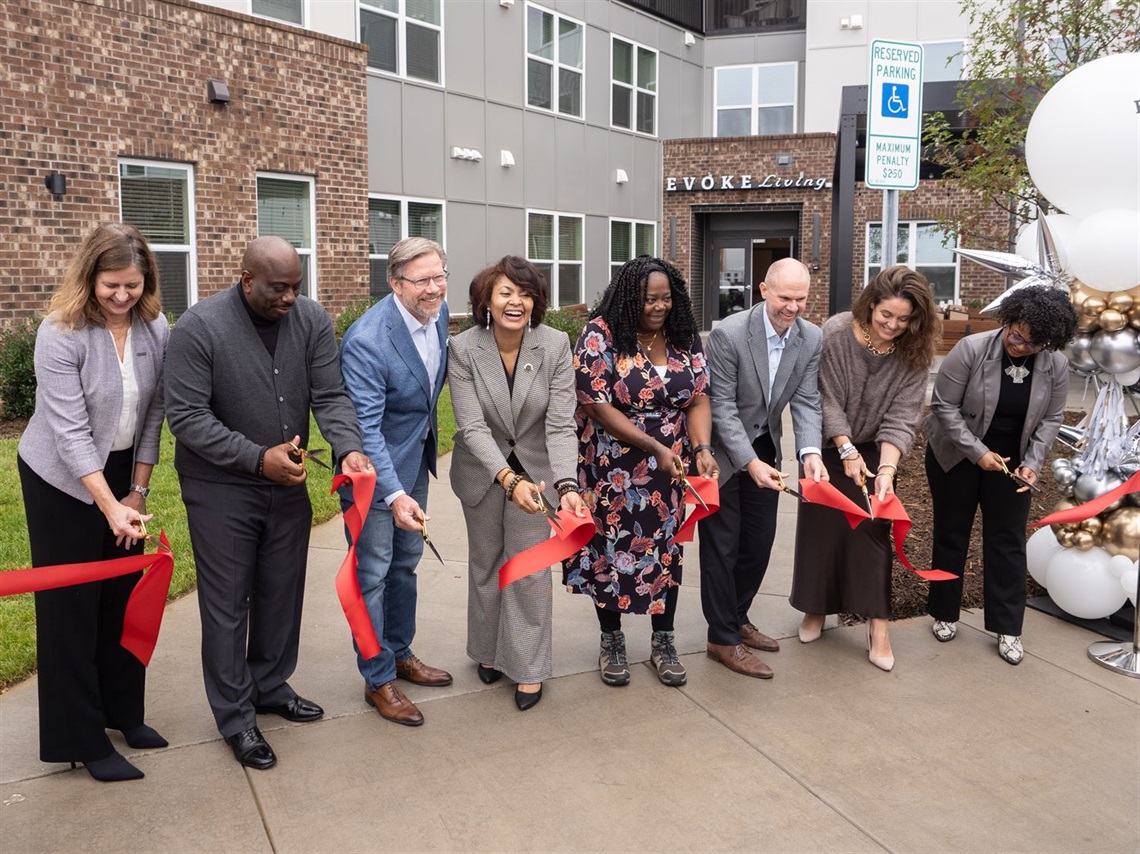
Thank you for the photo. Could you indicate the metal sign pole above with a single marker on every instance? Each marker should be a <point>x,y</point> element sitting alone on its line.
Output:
<point>890,228</point>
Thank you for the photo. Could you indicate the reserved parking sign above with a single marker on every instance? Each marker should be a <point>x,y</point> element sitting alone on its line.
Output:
<point>894,115</point>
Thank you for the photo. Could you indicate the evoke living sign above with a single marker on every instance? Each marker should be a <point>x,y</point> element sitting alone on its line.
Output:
<point>709,182</point>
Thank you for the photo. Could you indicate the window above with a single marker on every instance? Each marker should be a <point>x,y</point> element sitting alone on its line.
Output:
<point>630,238</point>
<point>554,245</point>
<point>390,221</point>
<point>404,37</point>
<point>290,11</point>
<point>554,62</point>
<point>158,200</point>
<point>922,246</point>
<point>285,208</point>
<point>942,61</point>
<point>756,100</point>
<point>633,102</point>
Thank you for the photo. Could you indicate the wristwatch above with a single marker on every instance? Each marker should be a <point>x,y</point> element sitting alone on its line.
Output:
<point>141,490</point>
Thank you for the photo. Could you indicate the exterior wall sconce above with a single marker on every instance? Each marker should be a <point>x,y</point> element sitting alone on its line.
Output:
<point>506,159</point>
<point>217,92</point>
<point>690,40</point>
<point>506,4</point>
<point>472,154</point>
<point>56,184</point>
<point>854,22</point>
<point>783,159</point>
<point>621,177</point>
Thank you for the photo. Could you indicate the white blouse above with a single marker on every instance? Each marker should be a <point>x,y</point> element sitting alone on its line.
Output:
<point>128,417</point>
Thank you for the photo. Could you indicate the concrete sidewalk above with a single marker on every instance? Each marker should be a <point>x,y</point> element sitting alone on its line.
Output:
<point>952,751</point>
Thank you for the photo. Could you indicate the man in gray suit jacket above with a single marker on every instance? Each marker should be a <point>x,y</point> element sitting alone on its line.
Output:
<point>394,360</point>
<point>761,361</point>
<point>243,369</point>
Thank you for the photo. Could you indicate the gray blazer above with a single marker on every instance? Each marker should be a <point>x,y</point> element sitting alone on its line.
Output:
<point>536,422</point>
<point>79,397</point>
<point>966,394</point>
<point>743,404</point>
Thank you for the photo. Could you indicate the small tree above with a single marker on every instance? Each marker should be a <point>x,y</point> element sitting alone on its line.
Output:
<point>1017,50</point>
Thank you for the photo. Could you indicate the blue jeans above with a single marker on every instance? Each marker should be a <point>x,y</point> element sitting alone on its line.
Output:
<point>387,558</point>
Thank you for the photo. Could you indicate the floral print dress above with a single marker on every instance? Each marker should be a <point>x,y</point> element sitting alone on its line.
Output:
<point>632,561</point>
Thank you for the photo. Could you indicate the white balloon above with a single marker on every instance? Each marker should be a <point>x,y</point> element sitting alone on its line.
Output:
<point>1081,584</point>
<point>1128,378</point>
<point>1105,251</point>
<point>1128,584</point>
<point>1064,230</point>
<point>1082,140</point>
<point>1039,550</point>
<point>1119,564</point>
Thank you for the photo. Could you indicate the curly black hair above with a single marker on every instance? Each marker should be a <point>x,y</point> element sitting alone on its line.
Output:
<point>1047,312</point>
<point>624,299</point>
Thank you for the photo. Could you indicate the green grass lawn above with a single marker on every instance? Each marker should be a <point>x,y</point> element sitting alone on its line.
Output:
<point>17,613</point>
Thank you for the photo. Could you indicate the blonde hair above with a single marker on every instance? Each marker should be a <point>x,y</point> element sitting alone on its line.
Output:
<point>112,246</point>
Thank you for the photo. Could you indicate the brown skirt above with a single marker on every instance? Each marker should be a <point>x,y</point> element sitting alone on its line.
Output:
<point>839,569</point>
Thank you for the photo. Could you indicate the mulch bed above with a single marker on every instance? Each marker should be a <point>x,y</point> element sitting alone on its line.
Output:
<point>13,429</point>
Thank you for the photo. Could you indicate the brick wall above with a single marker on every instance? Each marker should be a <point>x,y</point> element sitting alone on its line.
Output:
<point>86,83</point>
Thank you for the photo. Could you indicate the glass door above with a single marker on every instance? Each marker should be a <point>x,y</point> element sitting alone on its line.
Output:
<point>732,274</point>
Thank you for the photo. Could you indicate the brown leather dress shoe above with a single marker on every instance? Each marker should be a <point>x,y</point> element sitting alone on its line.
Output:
<point>753,637</point>
<point>418,673</point>
<point>391,703</point>
<point>739,660</point>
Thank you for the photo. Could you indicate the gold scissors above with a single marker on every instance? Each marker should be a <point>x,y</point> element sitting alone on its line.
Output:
<point>1018,478</point>
<point>546,507</point>
<point>688,487</point>
<point>427,540</point>
<point>142,527</point>
<point>311,455</point>
<point>866,495</point>
<point>785,488</point>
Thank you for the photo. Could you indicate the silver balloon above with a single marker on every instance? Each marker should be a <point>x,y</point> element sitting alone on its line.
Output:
<point>1088,486</point>
<point>1006,263</point>
<point>1116,352</point>
<point>1066,490</point>
<point>1074,437</point>
<point>1061,464</point>
<point>1078,352</point>
<point>1067,477</point>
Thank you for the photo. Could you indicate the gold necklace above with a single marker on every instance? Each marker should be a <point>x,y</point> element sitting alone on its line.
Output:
<point>867,337</point>
<point>652,339</point>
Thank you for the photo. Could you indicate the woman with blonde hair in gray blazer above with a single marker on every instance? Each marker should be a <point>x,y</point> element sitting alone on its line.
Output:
<point>85,461</point>
<point>512,389</point>
<point>997,405</point>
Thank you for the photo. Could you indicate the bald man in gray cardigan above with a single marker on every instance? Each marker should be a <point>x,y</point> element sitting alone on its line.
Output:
<point>243,369</point>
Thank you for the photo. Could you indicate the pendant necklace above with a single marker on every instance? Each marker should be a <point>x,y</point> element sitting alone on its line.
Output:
<point>1017,373</point>
<point>652,340</point>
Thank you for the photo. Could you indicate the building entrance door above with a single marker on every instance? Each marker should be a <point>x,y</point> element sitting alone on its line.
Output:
<point>739,265</point>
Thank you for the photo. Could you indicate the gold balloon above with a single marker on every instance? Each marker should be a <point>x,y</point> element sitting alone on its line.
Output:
<point>1087,324</point>
<point>1092,525</point>
<point>1060,528</point>
<point>1122,533</point>
<point>1065,539</point>
<point>1083,540</point>
<point>1135,321</point>
<point>1093,306</point>
<point>1121,301</point>
<point>1111,320</point>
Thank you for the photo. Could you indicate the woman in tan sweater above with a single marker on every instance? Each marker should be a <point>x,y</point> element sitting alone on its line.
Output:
<point>872,378</point>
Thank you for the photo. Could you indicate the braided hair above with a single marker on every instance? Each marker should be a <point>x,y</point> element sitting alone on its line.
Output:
<point>624,300</point>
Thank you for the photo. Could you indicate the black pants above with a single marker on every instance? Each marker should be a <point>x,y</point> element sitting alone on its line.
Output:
<point>250,548</point>
<point>610,621</point>
<point>956,496</point>
<point>87,681</point>
<point>736,542</point>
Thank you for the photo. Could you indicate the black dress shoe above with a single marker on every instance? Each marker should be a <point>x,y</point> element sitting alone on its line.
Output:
<point>527,701</point>
<point>299,710</point>
<point>112,769</point>
<point>143,737</point>
<point>252,750</point>
<point>487,675</point>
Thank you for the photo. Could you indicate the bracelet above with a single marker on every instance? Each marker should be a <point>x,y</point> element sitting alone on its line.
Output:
<point>847,451</point>
<point>261,462</point>
<point>566,485</point>
<point>883,474</point>
<point>890,466</point>
<point>514,483</point>
<point>702,447</point>
<point>141,490</point>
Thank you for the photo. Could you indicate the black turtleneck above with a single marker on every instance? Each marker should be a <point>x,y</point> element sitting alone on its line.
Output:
<point>266,329</point>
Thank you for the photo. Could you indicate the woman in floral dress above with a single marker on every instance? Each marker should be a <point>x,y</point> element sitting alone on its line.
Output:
<point>643,413</point>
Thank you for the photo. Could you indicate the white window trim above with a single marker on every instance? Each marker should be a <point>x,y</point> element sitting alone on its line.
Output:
<point>403,201</point>
<point>401,72</point>
<point>555,300</point>
<point>555,63</point>
<point>912,242</point>
<point>310,252</point>
<point>633,223</point>
<point>192,265</point>
<point>634,88</point>
<point>757,104</point>
<point>306,15</point>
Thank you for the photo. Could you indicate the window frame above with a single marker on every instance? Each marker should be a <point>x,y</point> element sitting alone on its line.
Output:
<point>634,88</point>
<point>305,16</point>
<point>403,201</point>
<point>555,296</point>
<point>963,43</point>
<point>402,19</point>
<point>555,63</point>
<point>912,244</point>
<point>756,104</point>
<point>189,248</point>
<point>633,224</point>
<point>310,252</point>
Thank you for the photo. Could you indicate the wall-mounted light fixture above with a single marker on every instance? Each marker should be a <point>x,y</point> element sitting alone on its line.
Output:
<point>690,40</point>
<point>217,92</point>
<point>621,177</point>
<point>472,154</point>
<point>854,22</point>
<point>784,159</point>
<point>506,4</point>
<point>56,184</point>
<point>506,159</point>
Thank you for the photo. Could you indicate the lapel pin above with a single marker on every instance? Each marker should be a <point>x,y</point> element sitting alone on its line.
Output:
<point>527,367</point>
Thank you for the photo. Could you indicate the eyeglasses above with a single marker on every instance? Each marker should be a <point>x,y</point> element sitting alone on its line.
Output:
<point>1018,341</point>
<point>420,284</point>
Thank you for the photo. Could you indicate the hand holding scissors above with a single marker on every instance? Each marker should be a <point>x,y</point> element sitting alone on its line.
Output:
<point>427,540</point>
<point>1025,483</point>
<point>315,456</point>
<point>278,465</point>
<point>785,488</point>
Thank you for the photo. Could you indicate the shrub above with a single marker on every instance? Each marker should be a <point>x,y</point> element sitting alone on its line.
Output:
<point>570,322</point>
<point>350,314</point>
<point>18,370</point>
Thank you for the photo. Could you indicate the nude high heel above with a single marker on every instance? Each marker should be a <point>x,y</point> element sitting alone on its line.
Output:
<point>883,662</point>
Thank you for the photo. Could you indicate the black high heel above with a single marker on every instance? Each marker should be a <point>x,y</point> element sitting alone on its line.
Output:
<point>143,737</point>
<point>527,701</point>
<point>488,675</point>
<point>112,769</point>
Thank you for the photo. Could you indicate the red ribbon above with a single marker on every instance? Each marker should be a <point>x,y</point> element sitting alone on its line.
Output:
<point>890,509</point>
<point>576,532</point>
<point>143,616</point>
<point>709,491</point>
<point>1094,507</point>
<point>347,584</point>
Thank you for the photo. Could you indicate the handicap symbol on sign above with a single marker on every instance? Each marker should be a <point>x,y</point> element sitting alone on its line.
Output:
<point>896,100</point>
